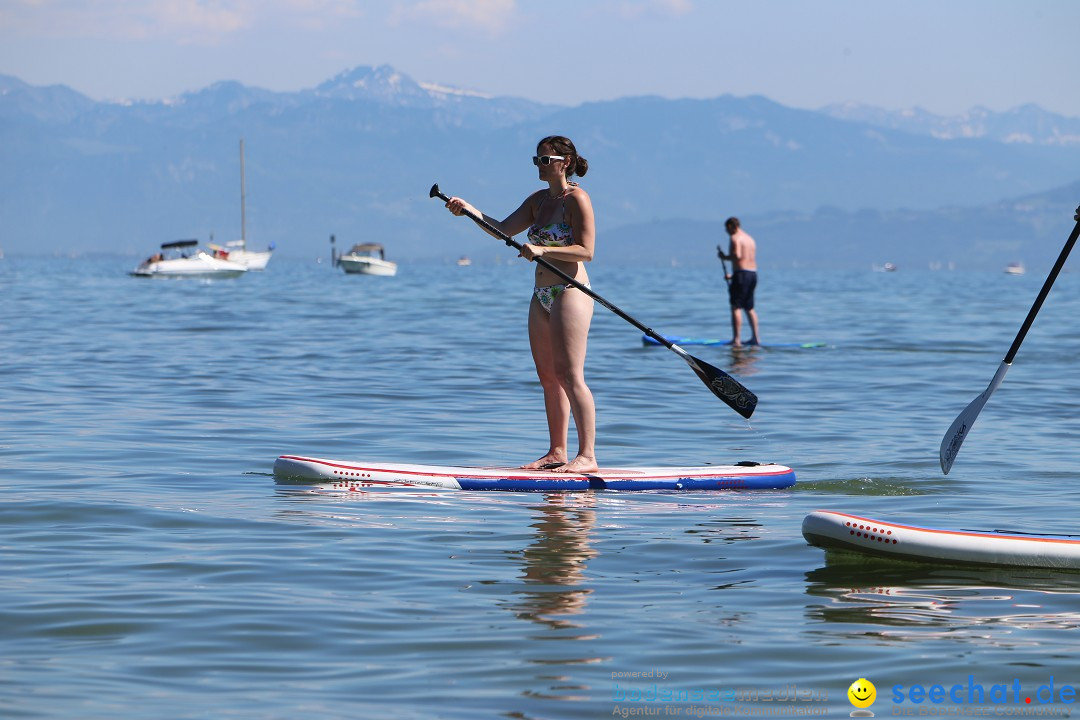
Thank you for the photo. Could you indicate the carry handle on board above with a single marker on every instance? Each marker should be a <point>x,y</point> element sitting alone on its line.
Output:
<point>725,387</point>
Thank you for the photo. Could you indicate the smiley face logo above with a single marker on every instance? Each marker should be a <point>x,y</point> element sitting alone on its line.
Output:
<point>862,693</point>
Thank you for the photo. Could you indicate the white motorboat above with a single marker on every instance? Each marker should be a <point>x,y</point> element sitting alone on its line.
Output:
<point>367,259</point>
<point>184,258</point>
<point>236,250</point>
<point>1015,268</point>
<point>253,259</point>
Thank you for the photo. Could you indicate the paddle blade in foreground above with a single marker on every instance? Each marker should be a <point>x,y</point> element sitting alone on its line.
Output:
<point>723,386</point>
<point>954,438</point>
<point>950,445</point>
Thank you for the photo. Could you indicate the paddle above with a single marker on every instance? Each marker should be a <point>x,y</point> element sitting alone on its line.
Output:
<point>723,386</point>
<point>950,444</point>
<point>723,264</point>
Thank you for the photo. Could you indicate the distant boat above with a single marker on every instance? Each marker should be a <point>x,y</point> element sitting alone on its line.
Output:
<point>1015,268</point>
<point>463,261</point>
<point>890,267</point>
<point>236,250</point>
<point>183,258</point>
<point>887,267</point>
<point>367,259</point>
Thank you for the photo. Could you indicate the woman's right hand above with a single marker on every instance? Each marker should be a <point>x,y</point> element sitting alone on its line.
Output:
<point>530,252</point>
<point>459,207</point>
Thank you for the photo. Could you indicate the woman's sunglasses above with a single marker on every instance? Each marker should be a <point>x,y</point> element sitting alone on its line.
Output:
<point>546,159</point>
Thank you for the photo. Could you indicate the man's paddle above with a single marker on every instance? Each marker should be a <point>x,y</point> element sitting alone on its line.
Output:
<point>722,385</point>
<point>723,263</point>
<point>950,444</point>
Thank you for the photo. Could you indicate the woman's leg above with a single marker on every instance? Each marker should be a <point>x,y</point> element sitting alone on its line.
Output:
<point>555,401</point>
<point>571,315</point>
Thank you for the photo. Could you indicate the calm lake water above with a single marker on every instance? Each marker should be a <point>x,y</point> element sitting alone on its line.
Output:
<point>152,566</point>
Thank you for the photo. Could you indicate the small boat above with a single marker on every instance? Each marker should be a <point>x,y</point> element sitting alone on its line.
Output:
<point>184,258</point>
<point>367,259</point>
<point>464,261</point>
<point>1015,268</point>
<point>236,250</point>
<point>253,259</point>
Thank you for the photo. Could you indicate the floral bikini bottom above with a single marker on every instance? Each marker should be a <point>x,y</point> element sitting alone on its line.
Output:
<point>546,295</point>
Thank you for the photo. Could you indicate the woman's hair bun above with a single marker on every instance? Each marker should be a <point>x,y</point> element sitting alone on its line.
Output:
<point>581,166</point>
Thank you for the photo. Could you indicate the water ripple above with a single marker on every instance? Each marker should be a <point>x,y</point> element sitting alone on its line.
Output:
<point>152,566</point>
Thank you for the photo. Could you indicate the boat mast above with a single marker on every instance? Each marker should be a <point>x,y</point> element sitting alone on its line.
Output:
<point>243,228</point>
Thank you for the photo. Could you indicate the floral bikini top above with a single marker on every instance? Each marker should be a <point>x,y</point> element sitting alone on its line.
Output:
<point>554,235</point>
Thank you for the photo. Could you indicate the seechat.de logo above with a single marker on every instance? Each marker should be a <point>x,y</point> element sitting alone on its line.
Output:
<point>862,695</point>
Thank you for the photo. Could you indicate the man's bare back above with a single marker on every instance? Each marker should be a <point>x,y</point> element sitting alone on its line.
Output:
<point>743,251</point>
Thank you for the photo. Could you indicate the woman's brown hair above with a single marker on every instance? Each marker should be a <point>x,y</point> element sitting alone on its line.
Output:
<point>575,164</point>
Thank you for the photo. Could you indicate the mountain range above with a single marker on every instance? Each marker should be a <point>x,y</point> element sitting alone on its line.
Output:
<point>843,186</point>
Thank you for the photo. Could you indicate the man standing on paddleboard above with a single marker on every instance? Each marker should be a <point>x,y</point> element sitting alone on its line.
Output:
<point>742,252</point>
<point>561,230</point>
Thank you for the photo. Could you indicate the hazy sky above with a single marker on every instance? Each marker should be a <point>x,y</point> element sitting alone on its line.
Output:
<point>945,56</point>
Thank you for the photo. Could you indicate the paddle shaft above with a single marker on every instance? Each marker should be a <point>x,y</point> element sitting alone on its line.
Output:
<point>1043,293</point>
<point>435,192</point>
<point>961,426</point>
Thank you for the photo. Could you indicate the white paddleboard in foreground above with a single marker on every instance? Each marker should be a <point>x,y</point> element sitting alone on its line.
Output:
<point>747,476</point>
<point>840,531</point>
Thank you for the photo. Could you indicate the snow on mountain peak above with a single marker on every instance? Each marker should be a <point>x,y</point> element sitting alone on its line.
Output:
<point>444,90</point>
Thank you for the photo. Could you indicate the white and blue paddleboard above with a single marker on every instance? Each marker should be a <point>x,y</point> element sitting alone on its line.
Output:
<point>679,340</point>
<point>361,474</point>
<point>840,531</point>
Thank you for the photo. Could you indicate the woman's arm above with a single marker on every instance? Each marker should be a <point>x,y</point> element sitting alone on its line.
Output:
<point>514,223</point>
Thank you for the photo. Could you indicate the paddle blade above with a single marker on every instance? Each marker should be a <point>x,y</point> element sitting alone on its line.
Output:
<point>958,431</point>
<point>723,386</point>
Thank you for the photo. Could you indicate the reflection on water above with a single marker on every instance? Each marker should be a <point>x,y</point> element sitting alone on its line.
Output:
<point>554,564</point>
<point>553,575</point>
<point>909,601</point>
<point>319,503</point>
<point>727,529</point>
<point>744,358</point>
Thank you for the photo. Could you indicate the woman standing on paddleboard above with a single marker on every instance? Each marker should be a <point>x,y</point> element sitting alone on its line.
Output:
<point>559,220</point>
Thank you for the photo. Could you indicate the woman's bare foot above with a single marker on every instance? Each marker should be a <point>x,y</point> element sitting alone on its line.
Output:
<point>582,464</point>
<point>549,461</point>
